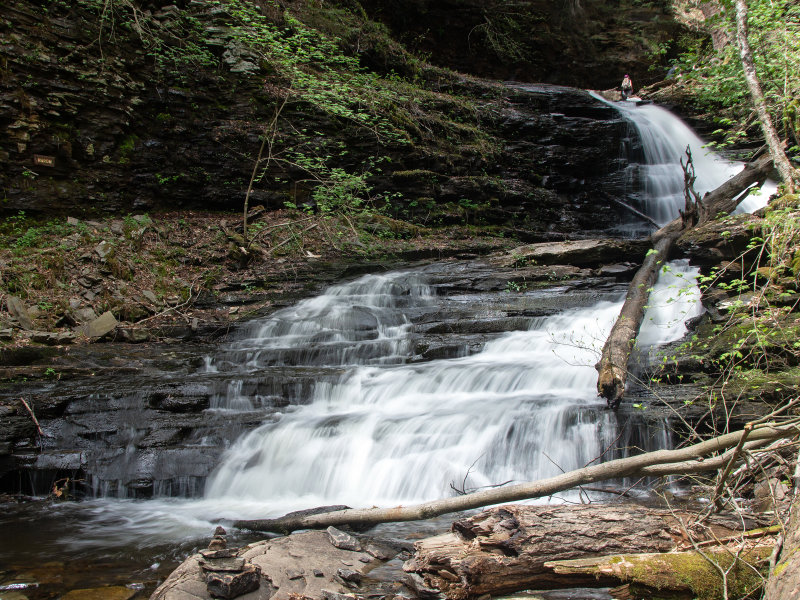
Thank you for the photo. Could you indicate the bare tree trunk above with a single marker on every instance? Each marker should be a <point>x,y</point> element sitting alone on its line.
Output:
<point>788,173</point>
<point>784,581</point>
<point>613,365</point>
<point>691,459</point>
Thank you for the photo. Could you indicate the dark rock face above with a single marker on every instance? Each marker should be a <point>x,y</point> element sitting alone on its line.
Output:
<point>149,419</point>
<point>109,132</point>
<point>590,43</point>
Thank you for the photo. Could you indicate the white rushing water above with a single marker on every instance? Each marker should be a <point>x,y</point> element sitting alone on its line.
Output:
<point>381,429</point>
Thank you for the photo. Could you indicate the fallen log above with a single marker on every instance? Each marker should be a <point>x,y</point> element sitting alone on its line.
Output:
<point>613,365</point>
<point>687,574</point>
<point>513,548</point>
<point>691,459</point>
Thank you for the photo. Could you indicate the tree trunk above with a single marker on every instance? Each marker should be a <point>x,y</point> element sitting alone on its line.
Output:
<point>784,581</point>
<point>774,144</point>
<point>513,548</point>
<point>691,459</point>
<point>613,365</point>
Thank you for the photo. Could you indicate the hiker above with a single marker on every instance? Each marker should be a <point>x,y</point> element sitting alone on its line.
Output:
<point>627,87</point>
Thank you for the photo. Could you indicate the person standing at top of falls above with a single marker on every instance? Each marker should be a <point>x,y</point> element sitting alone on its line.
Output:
<point>627,87</point>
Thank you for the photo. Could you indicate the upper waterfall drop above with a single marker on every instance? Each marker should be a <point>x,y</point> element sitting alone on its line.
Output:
<point>665,139</point>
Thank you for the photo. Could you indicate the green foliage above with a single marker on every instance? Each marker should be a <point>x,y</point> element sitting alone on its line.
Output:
<point>716,79</point>
<point>315,68</point>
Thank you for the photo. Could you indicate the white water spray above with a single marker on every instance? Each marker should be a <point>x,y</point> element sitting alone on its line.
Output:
<point>665,139</point>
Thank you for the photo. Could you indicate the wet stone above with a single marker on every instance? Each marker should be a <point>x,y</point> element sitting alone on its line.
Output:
<point>223,565</point>
<point>342,540</point>
<point>233,585</point>
<point>215,554</point>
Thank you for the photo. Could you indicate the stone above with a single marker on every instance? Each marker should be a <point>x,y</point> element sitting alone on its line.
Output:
<point>213,554</point>
<point>768,493</point>
<point>227,565</point>
<point>293,574</point>
<point>422,591</point>
<point>380,552</point>
<point>103,249</point>
<point>102,593</point>
<point>102,325</point>
<point>83,315</point>
<point>51,338</point>
<point>217,543</point>
<point>151,297</point>
<point>6,335</point>
<point>19,311</point>
<point>142,219</point>
<point>233,585</point>
<point>342,540</point>
<point>330,595</point>
<point>349,575</point>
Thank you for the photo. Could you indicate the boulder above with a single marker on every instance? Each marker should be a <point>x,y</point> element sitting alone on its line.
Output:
<point>19,311</point>
<point>102,325</point>
<point>303,564</point>
<point>583,253</point>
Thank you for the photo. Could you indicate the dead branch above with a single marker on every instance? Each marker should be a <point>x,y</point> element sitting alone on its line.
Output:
<point>33,416</point>
<point>697,458</point>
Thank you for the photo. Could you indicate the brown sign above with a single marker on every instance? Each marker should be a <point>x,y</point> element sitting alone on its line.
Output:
<point>46,161</point>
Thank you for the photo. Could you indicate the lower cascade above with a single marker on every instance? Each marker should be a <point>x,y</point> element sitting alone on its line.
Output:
<point>523,408</point>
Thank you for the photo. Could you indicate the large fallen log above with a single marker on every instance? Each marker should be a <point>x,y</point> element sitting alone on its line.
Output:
<point>514,548</point>
<point>698,458</point>
<point>613,365</point>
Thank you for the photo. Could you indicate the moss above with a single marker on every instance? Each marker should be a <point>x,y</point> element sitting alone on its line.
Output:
<point>698,575</point>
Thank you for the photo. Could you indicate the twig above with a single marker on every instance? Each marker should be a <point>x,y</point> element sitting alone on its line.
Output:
<point>721,483</point>
<point>756,533</point>
<point>634,210</point>
<point>291,237</point>
<point>33,416</point>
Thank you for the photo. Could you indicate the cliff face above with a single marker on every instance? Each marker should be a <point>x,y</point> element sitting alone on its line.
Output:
<point>580,43</point>
<point>150,105</point>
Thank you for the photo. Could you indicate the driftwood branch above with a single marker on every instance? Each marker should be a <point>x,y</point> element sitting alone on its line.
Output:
<point>613,365</point>
<point>691,459</point>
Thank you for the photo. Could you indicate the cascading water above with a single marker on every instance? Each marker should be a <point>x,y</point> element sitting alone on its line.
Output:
<point>665,139</point>
<point>515,411</point>
<point>351,412</point>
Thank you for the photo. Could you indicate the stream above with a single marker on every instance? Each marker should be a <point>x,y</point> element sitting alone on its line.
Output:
<point>392,388</point>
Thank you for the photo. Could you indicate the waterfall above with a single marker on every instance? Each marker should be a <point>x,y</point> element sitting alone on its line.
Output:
<point>524,407</point>
<point>390,431</point>
<point>403,433</point>
<point>665,138</point>
<point>351,413</point>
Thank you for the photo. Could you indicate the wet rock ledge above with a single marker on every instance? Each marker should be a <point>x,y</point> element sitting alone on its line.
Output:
<point>318,565</point>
